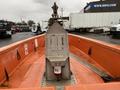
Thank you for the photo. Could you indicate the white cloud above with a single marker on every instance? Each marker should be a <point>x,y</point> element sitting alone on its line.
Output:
<point>36,9</point>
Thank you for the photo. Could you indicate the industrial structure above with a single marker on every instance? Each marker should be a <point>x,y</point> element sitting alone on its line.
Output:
<point>57,53</point>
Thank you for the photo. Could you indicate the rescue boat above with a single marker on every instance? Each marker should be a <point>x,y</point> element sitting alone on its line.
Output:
<point>60,61</point>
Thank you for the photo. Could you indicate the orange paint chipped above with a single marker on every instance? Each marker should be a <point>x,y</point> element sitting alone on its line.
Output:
<point>22,64</point>
<point>43,88</point>
<point>83,74</point>
<point>103,55</point>
<point>109,86</point>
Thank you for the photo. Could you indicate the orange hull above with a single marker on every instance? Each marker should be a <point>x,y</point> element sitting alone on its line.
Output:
<point>22,64</point>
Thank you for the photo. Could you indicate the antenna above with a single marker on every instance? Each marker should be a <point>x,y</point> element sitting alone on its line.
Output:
<point>21,19</point>
<point>62,12</point>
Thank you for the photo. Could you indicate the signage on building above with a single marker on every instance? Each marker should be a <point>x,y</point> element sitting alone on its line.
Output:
<point>104,5</point>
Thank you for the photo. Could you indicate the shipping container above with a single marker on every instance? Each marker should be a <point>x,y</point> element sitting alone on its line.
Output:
<point>83,21</point>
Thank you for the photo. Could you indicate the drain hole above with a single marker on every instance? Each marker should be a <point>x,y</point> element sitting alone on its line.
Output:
<point>90,51</point>
<point>6,75</point>
<point>5,83</point>
<point>18,55</point>
<point>35,49</point>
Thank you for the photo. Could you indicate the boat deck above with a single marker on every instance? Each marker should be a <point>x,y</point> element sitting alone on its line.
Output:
<point>31,71</point>
<point>26,72</point>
